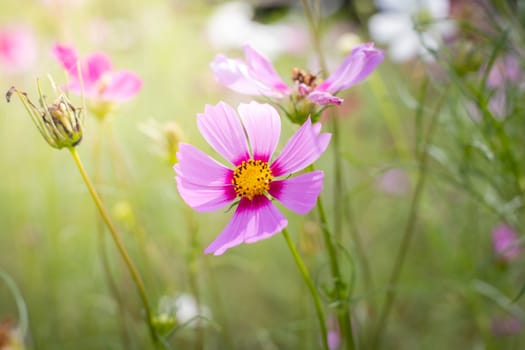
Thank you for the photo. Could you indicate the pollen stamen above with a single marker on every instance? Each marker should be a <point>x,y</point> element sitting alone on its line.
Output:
<point>300,76</point>
<point>252,178</point>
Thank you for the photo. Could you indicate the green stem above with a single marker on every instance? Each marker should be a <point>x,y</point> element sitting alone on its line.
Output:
<point>391,292</point>
<point>343,312</point>
<point>110,280</point>
<point>338,179</point>
<point>120,245</point>
<point>219,303</point>
<point>23,314</point>
<point>104,255</point>
<point>315,35</point>
<point>193,262</point>
<point>311,287</point>
<point>359,249</point>
<point>343,204</point>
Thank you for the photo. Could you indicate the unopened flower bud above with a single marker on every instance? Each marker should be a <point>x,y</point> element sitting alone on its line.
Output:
<point>166,138</point>
<point>164,323</point>
<point>59,123</point>
<point>173,135</point>
<point>123,212</point>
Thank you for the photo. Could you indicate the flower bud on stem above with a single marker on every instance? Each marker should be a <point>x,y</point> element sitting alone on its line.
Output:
<point>60,124</point>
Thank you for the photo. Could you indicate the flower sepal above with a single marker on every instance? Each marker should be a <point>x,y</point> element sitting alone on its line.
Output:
<point>164,323</point>
<point>303,109</point>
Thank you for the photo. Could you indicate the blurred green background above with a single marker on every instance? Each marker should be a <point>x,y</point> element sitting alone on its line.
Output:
<point>453,291</point>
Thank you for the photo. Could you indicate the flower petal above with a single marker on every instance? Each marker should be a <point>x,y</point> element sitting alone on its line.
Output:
<point>203,183</point>
<point>357,66</point>
<point>122,86</point>
<point>221,127</point>
<point>299,193</point>
<point>204,198</point>
<point>68,58</point>
<point>235,74</point>
<point>324,98</point>
<point>262,69</point>
<point>304,148</point>
<point>253,221</point>
<point>94,66</point>
<point>263,127</point>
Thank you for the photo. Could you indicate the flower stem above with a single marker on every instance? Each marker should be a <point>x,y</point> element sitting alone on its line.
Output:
<point>315,35</point>
<point>193,271</point>
<point>23,314</point>
<point>343,309</point>
<point>311,287</point>
<point>343,312</point>
<point>103,251</point>
<point>409,229</point>
<point>120,245</point>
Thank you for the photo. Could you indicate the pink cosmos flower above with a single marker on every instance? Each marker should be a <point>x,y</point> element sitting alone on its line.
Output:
<point>99,80</point>
<point>505,243</point>
<point>17,49</point>
<point>252,178</point>
<point>257,76</point>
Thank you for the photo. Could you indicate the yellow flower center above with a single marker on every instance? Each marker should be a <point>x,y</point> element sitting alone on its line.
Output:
<point>252,178</point>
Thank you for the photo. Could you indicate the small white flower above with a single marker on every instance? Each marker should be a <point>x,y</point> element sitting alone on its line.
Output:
<point>411,27</point>
<point>231,27</point>
<point>185,309</point>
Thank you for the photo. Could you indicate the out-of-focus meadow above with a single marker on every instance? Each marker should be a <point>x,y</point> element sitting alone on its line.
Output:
<point>430,152</point>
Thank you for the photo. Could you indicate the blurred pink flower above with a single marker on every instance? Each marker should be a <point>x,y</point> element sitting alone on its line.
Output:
<point>257,76</point>
<point>248,144</point>
<point>394,182</point>
<point>505,243</point>
<point>17,49</point>
<point>505,70</point>
<point>334,334</point>
<point>506,326</point>
<point>100,81</point>
<point>334,339</point>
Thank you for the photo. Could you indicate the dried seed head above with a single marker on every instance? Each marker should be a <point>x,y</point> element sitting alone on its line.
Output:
<point>59,123</point>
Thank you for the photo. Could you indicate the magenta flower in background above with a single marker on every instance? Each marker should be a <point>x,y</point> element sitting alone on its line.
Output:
<point>100,81</point>
<point>505,243</point>
<point>253,178</point>
<point>394,182</point>
<point>257,76</point>
<point>334,334</point>
<point>17,49</point>
<point>505,326</point>
<point>505,70</point>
